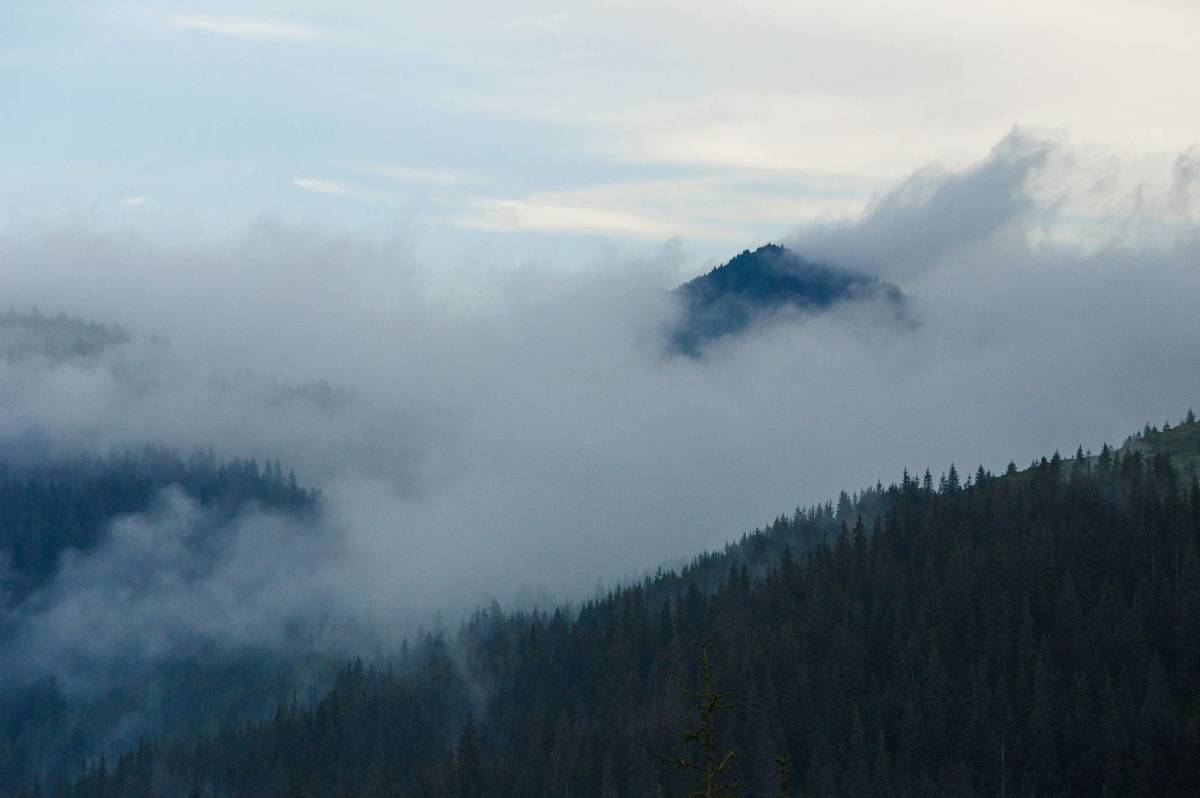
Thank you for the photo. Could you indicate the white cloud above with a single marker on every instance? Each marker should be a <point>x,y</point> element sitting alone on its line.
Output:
<point>554,97</point>
<point>871,88</point>
<point>247,28</point>
<point>421,175</point>
<point>542,216</point>
<point>735,207</point>
<point>134,201</point>
<point>340,189</point>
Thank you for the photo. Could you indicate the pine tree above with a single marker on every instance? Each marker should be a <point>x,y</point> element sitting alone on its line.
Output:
<point>710,766</point>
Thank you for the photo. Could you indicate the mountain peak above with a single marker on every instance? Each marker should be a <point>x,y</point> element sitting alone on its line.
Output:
<point>757,284</point>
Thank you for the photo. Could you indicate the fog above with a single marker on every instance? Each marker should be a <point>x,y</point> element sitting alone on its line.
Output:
<point>478,432</point>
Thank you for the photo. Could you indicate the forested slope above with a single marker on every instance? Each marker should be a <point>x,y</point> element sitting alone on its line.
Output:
<point>48,508</point>
<point>1030,634</point>
<point>53,507</point>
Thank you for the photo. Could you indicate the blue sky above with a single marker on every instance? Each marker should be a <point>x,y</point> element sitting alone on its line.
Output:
<point>556,130</point>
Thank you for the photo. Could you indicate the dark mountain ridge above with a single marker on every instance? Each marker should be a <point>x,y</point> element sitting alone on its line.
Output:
<point>754,286</point>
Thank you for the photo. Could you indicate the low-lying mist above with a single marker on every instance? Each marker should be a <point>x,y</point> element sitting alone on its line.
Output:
<point>480,433</point>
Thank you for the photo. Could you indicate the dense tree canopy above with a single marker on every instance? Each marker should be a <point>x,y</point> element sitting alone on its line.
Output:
<point>1036,633</point>
<point>50,507</point>
<point>53,506</point>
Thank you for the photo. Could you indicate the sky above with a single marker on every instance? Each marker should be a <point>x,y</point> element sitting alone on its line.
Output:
<point>458,223</point>
<point>557,132</point>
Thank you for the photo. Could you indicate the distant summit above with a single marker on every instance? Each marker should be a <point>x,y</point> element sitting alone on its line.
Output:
<point>755,285</point>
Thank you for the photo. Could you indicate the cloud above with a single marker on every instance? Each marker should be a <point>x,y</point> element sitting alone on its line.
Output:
<point>497,430</point>
<point>247,28</point>
<point>731,208</point>
<point>337,189</point>
<point>419,174</point>
<point>134,201</point>
<point>594,95</point>
<point>934,212</point>
<point>165,585</point>
<point>542,216</point>
<point>1185,187</point>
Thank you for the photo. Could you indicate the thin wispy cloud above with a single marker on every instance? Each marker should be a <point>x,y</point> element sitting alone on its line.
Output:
<point>247,27</point>
<point>421,175</point>
<point>133,202</point>
<point>336,189</point>
<point>710,207</point>
<point>536,216</point>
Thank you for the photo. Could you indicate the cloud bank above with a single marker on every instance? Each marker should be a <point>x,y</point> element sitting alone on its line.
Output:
<point>480,432</point>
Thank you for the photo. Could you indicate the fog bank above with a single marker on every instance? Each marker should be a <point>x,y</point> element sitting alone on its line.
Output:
<point>479,432</point>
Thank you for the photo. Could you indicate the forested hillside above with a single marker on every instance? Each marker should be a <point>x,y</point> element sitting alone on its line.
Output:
<point>53,507</point>
<point>1033,633</point>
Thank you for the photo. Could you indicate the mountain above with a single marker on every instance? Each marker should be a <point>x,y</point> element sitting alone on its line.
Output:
<point>64,505</point>
<point>58,338</point>
<point>758,285</point>
<point>62,510</point>
<point>1032,633</point>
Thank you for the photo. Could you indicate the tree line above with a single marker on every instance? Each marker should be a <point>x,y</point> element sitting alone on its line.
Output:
<point>1034,633</point>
